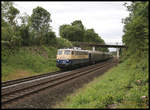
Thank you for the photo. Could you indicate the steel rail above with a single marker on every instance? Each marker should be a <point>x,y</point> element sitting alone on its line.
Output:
<point>34,88</point>
<point>8,89</point>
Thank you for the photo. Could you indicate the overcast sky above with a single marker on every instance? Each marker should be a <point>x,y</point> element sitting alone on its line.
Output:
<point>104,17</point>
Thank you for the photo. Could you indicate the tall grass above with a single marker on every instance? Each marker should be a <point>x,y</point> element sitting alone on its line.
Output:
<point>122,86</point>
<point>33,60</point>
<point>18,62</point>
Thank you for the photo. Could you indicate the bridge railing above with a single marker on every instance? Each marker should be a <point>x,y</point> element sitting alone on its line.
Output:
<point>106,43</point>
<point>114,43</point>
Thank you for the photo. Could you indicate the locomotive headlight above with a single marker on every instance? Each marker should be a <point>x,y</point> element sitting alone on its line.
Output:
<point>67,61</point>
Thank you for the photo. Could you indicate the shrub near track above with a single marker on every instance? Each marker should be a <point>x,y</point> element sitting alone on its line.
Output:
<point>19,62</point>
<point>28,61</point>
<point>121,87</point>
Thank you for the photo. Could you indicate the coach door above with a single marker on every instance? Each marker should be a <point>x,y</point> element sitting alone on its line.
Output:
<point>89,57</point>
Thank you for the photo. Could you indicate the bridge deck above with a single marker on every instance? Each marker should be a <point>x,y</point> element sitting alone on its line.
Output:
<point>99,45</point>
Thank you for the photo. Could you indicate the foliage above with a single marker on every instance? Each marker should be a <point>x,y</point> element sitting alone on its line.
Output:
<point>50,38</point>
<point>33,30</point>
<point>122,86</point>
<point>27,61</point>
<point>40,19</point>
<point>10,31</point>
<point>25,34</point>
<point>36,30</point>
<point>76,32</point>
<point>78,23</point>
<point>91,36</point>
<point>9,12</point>
<point>62,43</point>
<point>72,33</point>
<point>136,30</point>
<point>11,15</point>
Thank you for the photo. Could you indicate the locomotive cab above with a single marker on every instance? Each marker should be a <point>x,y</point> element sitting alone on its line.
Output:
<point>63,58</point>
<point>71,57</point>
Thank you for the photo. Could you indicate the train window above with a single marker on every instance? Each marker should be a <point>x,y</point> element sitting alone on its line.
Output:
<point>72,52</point>
<point>59,52</point>
<point>67,52</point>
<point>76,52</point>
<point>84,53</point>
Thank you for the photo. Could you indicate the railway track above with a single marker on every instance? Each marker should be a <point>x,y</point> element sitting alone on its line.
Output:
<point>11,82</point>
<point>18,90</point>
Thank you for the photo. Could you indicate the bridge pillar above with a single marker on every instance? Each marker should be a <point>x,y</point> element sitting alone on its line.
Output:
<point>93,48</point>
<point>117,52</point>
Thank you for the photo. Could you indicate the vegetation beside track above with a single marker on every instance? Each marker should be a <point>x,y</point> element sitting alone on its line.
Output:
<point>28,61</point>
<point>23,37</point>
<point>124,86</point>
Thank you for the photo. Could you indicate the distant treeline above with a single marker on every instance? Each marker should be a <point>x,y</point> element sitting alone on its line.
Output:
<point>36,29</point>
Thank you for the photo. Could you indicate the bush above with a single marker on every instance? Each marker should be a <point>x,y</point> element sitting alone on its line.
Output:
<point>61,43</point>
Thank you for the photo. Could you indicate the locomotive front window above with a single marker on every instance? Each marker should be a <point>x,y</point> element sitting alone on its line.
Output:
<point>59,52</point>
<point>67,52</point>
<point>72,52</point>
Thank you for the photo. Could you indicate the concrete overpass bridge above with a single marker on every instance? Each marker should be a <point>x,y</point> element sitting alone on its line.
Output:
<point>117,45</point>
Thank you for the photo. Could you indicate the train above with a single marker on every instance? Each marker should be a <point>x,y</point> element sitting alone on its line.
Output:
<point>72,57</point>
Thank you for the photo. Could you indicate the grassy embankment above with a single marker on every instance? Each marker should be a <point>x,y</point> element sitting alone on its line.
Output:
<point>28,61</point>
<point>124,86</point>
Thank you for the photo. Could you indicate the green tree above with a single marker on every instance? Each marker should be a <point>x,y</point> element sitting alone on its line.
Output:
<point>11,15</point>
<point>62,31</point>
<point>50,38</point>
<point>40,19</point>
<point>136,29</point>
<point>10,31</point>
<point>9,12</point>
<point>76,32</point>
<point>25,29</point>
<point>72,33</point>
<point>78,23</point>
<point>91,36</point>
<point>4,9</point>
